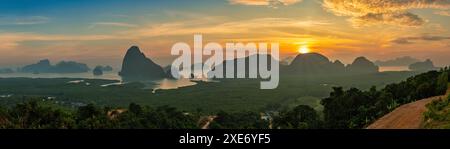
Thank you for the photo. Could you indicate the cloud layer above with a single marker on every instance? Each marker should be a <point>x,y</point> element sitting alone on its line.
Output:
<point>270,3</point>
<point>410,40</point>
<point>442,13</point>
<point>111,24</point>
<point>23,20</point>
<point>204,26</point>
<point>394,12</point>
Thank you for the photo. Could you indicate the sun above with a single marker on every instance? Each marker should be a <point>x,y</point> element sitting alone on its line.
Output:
<point>303,49</point>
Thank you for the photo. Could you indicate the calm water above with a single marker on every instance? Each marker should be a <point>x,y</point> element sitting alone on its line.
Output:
<point>87,75</point>
<point>158,84</point>
<point>394,68</point>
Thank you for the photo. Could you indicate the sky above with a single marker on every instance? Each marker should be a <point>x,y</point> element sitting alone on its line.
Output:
<point>98,32</point>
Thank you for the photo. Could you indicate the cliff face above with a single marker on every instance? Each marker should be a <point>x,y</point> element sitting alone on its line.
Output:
<point>136,66</point>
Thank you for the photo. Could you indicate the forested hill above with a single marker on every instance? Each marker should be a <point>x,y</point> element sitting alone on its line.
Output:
<point>354,108</point>
<point>344,109</point>
<point>408,116</point>
<point>438,113</point>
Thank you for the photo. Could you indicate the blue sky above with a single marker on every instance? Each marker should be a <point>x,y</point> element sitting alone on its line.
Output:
<point>73,16</point>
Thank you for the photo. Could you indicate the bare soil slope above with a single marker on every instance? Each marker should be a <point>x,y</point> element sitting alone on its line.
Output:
<point>408,116</point>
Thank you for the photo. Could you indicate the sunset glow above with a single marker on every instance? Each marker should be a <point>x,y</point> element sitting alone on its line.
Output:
<point>340,29</point>
<point>304,49</point>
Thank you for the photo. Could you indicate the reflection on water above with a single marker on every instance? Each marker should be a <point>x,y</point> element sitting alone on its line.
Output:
<point>112,84</point>
<point>173,84</point>
<point>394,68</point>
<point>157,84</point>
<point>168,84</point>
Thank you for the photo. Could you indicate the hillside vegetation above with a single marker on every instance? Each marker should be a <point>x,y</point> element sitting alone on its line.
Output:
<point>226,95</point>
<point>438,114</point>
<point>354,108</point>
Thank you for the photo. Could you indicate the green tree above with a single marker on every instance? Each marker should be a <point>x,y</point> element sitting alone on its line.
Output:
<point>239,120</point>
<point>4,118</point>
<point>88,111</point>
<point>442,83</point>
<point>301,117</point>
<point>135,108</point>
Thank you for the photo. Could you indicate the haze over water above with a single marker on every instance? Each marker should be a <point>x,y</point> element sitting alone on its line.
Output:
<point>157,84</point>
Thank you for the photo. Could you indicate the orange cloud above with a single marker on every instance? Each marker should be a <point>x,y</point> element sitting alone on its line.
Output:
<point>112,24</point>
<point>365,12</point>
<point>442,13</point>
<point>12,40</point>
<point>206,27</point>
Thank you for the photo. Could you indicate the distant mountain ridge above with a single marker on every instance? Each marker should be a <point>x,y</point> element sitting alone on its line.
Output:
<point>400,61</point>
<point>269,59</point>
<point>424,66</point>
<point>312,64</point>
<point>317,64</point>
<point>6,70</point>
<point>136,66</point>
<point>44,66</point>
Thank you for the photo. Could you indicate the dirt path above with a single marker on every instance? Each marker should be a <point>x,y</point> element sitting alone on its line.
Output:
<point>209,120</point>
<point>408,116</point>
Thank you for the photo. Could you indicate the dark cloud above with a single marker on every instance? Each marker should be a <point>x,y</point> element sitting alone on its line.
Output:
<point>404,19</point>
<point>409,40</point>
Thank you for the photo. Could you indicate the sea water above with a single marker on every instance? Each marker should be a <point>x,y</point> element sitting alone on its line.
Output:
<point>156,84</point>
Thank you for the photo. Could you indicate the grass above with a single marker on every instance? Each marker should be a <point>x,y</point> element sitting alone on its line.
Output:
<point>448,90</point>
<point>438,113</point>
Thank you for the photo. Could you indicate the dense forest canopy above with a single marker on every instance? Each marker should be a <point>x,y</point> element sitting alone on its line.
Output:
<point>351,108</point>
